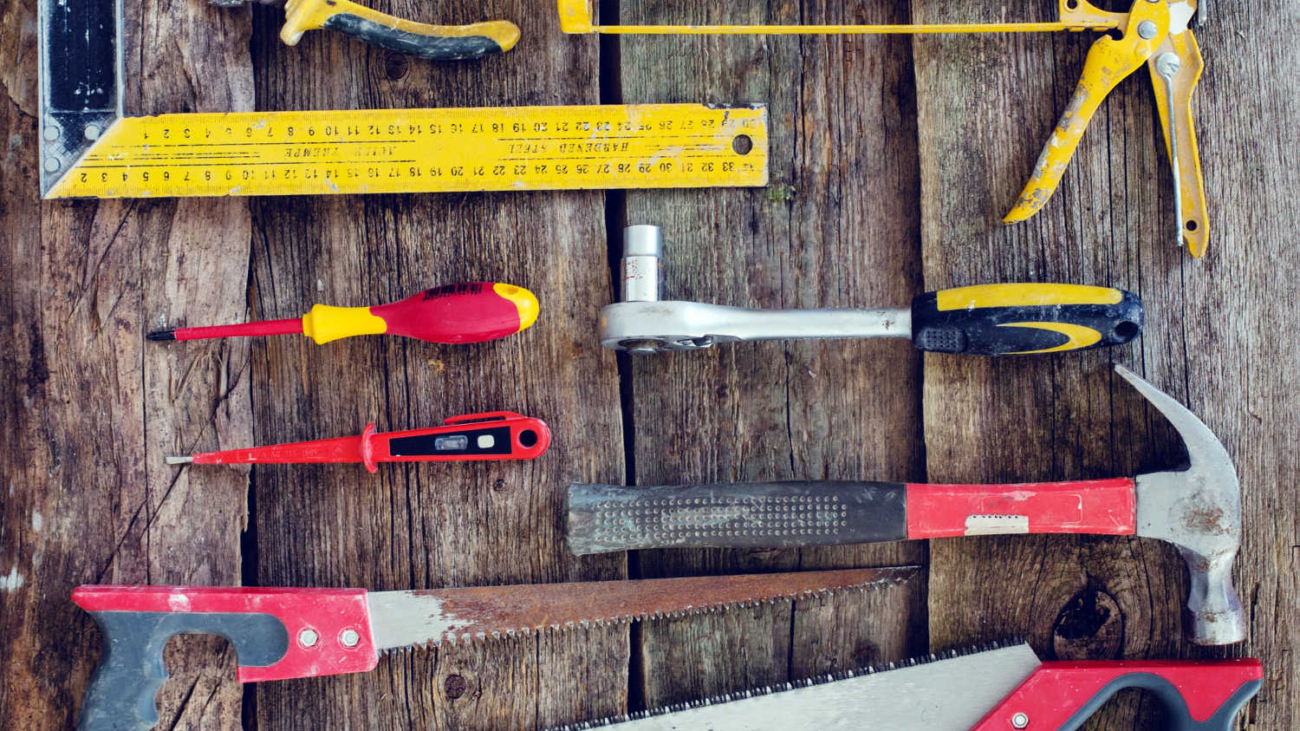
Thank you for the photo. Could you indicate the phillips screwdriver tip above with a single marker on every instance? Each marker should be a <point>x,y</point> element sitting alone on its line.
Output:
<point>161,335</point>
<point>179,460</point>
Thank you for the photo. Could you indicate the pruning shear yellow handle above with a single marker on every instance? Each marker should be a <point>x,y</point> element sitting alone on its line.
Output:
<point>1109,62</point>
<point>1175,69</point>
<point>436,42</point>
<point>1155,33</point>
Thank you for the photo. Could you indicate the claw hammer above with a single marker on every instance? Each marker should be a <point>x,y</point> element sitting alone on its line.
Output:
<point>1197,509</point>
<point>996,319</point>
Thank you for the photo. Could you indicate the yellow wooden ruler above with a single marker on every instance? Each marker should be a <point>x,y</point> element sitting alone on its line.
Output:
<point>423,151</point>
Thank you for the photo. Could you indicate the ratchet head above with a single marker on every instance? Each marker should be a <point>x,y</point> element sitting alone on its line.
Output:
<point>640,323</point>
<point>657,327</point>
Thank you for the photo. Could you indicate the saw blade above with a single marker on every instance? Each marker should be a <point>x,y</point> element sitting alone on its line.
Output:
<point>947,692</point>
<point>401,619</point>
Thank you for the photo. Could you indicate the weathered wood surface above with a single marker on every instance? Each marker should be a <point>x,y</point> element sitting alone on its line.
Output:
<point>89,410</point>
<point>837,227</point>
<point>436,525</point>
<point>886,180</point>
<point>1218,337</point>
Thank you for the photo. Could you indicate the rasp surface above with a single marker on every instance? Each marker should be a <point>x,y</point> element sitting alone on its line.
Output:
<point>605,518</point>
<point>951,693</point>
<point>408,618</point>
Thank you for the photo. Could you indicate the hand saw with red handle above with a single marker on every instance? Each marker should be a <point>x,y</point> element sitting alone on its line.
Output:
<point>283,633</point>
<point>996,688</point>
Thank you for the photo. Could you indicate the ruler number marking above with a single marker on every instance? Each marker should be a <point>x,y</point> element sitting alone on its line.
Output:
<point>302,153</point>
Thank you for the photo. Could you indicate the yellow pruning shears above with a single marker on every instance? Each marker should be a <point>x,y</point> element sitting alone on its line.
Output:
<point>1155,32</point>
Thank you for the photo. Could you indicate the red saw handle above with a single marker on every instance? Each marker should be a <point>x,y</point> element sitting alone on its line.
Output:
<point>1199,695</point>
<point>490,436</point>
<point>1102,507</point>
<point>277,634</point>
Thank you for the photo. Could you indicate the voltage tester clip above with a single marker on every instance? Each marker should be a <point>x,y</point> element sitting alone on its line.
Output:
<point>1152,32</point>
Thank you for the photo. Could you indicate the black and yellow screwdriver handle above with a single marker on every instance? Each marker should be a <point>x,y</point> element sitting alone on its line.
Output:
<point>436,42</point>
<point>1019,319</point>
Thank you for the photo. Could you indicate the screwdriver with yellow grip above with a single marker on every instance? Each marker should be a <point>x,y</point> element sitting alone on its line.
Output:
<point>994,319</point>
<point>470,312</point>
<point>434,42</point>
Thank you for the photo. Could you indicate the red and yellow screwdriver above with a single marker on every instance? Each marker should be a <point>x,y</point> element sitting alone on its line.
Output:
<point>470,312</point>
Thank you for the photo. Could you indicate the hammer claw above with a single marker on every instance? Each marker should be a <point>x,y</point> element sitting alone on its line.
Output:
<point>1197,509</point>
<point>1204,449</point>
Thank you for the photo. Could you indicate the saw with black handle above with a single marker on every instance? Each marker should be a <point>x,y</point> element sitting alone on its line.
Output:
<point>997,688</point>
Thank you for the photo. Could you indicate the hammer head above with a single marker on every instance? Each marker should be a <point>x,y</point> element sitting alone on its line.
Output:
<point>1199,511</point>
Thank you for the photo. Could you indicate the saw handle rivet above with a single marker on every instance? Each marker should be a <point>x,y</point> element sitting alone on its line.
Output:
<point>308,637</point>
<point>91,132</point>
<point>51,133</point>
<point>1020,720</point>
<point>51,164</point>
<point>349,638</point>
<point>1147,29</point>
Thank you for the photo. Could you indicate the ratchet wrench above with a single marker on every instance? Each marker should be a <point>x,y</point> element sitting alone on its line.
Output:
<point>994,319</point>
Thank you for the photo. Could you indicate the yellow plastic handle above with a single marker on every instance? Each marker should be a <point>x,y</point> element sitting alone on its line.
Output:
<point>1024,318</point>
<point>1196,221</point>
<point>326,323</point>
<point>1109,62</point>
<point>438,42</point>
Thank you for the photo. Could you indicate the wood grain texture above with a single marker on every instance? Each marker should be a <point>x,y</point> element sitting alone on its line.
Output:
<point>87,496</point>
<point>428,526</point>
<point>892,163</point>
<point>837,227</point>
<point>984,107</point>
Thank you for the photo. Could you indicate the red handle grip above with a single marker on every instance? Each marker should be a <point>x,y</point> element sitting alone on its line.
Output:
<point>328,630</point>
<point>490,436</point>
<point>495,435</point>
<point>470,312</point>
<point>1199,694</point>
<point>1104,507</point>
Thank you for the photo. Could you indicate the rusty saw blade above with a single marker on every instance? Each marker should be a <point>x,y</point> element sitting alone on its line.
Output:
<point>401,619</point>
<point>284,632</point>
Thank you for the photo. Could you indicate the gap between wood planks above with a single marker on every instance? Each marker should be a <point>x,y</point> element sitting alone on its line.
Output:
<point>611,92</point>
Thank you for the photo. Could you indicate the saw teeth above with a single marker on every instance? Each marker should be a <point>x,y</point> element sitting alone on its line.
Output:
<point>801,683</point>
<point>689,610</point>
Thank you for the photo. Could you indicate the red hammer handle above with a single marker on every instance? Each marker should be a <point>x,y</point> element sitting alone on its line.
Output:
<point>1107,507</point>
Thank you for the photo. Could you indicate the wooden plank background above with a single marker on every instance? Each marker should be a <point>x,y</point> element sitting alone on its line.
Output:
<point>892,163</point>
